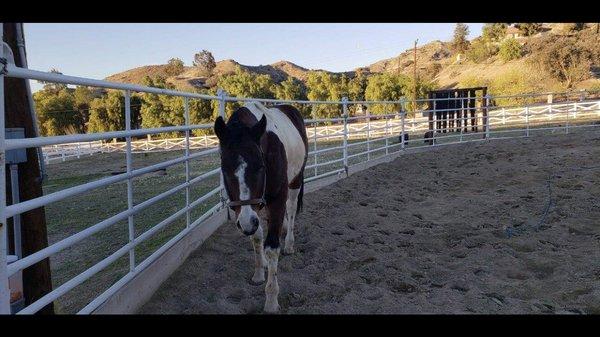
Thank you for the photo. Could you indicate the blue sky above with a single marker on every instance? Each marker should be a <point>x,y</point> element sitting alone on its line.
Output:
<point>99,50</point>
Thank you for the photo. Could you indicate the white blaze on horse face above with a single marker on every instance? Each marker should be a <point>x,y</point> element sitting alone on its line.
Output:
<point>247,215</point>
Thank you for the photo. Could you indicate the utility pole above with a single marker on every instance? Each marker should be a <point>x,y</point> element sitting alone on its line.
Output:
<point>415,75</point>
<point>34,236</point>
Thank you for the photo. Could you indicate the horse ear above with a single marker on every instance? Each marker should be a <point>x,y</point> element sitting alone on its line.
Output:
<point>259,128</point>
<point>221,129</point>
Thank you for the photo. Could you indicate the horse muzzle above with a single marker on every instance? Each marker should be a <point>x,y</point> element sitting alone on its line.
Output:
<point>251,229</point>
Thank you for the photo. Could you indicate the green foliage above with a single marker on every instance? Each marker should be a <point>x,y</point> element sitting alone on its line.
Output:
<point>510,49</point>
<point>174,67</point>
<point>386,87</point>
<point>528,28</point>
<point>244,84</point>
<point>459,41</point>
<point>290,89</point>
<point>481,50</point>
<point>494,32</point>
<point>357,86</point>
<point>55,110</point>
<point>293,89</point>
<point>107,113</point>
<point>322,86</point>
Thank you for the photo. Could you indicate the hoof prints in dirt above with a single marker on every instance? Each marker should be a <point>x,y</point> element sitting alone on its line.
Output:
<point>391,240</point>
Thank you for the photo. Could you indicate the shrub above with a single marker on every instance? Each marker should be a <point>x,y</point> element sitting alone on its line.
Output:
<point>510,49</point>
<point>481,51</point>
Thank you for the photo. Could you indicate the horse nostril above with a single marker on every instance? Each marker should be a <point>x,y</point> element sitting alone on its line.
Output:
<point>255,222</point>
<point>238,225</point>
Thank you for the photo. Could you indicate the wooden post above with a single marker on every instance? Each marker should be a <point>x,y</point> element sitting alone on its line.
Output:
<point>414,75</point>
<point>36,279</point>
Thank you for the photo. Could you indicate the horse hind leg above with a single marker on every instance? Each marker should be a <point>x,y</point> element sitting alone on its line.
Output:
<point>290,217</point>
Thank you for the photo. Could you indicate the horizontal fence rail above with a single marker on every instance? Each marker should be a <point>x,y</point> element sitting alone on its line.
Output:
<point>334,145</point>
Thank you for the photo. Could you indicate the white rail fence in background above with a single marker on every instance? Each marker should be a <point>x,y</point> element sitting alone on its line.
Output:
<point>336,144</point>
<point>500,117</point>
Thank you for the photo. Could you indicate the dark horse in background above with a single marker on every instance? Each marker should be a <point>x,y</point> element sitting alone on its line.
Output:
<point>263,155</point>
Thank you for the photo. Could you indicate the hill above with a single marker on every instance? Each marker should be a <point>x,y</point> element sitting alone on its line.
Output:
<point>435,62</point>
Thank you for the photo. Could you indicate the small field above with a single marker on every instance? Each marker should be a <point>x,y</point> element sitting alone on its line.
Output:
<point>459,229</point>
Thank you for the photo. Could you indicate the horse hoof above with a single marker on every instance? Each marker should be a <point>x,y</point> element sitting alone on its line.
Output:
<point>258,279</point>
<point>271,309</point>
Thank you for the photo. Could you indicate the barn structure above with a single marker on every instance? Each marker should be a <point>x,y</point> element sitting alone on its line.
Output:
<point>449,110</point>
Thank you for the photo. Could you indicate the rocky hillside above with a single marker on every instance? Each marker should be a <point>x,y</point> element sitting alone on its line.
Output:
<point>435,61</point>
<point>278,71</point>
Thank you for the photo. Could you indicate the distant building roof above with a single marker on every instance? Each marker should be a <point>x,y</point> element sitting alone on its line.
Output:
<point>512,30</point>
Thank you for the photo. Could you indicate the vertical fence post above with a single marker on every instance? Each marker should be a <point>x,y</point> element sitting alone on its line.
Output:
<point>369,137</point>
<point>575,107</point>
<point>487,117</point>
<point>4,289</point>
<point>186,113</point>
<point>222,95</point>
<point>503,116</point>
<point>130,222</point>
<point>402,127</point>
<point>345,116</point>
<point>464,119</point>
<point>315,145</point>
<point>435,123</point>
<point>567,123</point>
<point>387,125</point>
<point>527,121</point>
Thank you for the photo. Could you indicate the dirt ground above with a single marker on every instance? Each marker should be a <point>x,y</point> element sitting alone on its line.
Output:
<point>457,230</point>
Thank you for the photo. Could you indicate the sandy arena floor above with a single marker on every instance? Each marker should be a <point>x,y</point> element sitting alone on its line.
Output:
<point>426,233</point>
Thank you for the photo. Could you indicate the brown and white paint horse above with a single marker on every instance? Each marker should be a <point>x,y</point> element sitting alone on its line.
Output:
<point>263,155</point>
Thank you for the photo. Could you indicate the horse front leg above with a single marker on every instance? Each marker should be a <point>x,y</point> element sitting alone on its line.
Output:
<point>276,218</point>
<point>260,262</point>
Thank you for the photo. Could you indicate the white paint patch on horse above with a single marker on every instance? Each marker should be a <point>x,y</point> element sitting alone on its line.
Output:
<point>290,217</point>
<point>282,126</point>
<point>246,213</point>
<point>272,286</point>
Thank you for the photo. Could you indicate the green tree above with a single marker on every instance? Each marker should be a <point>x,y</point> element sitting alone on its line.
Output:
<point>510,49</point>
<point>323,86</point>
<point>459,41</point>
<point>83,96</point>
<point>293,89</point>
<point>386,87</point>
<point>161,110</point>
<point>528,28</point>
<point>55,110</point>
<point>205,62</point>
<point>566,60</point>
<point>494,32</point>
<point>357,86</point>
<point>174,67</point>
<point>107,113</point>
<point>244,84</point>
<point>290,89</point>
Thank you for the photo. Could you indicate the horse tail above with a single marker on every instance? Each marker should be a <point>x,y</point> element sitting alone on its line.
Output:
<point>300,194</point>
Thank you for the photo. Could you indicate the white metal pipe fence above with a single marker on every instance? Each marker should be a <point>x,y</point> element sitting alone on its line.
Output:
<point>337,143</point>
